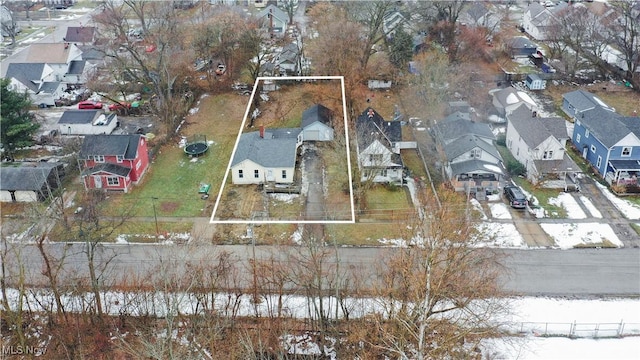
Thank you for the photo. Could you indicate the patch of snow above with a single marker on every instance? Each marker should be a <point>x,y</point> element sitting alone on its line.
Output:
<point>629,210</point>
<point>296,237</point>
<point>499,211</point>
<point>568,236</point>
<point>590,207</point>
<point>499,235</point>
<point>122,239</point>
<point>285,198</point>
<point>194,110</point>
<point>478,207</point>
<point>393,242</point>
<point>566,201</point>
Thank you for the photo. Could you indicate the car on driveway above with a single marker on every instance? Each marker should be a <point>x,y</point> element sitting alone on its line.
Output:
<point>515,196</point>
<point>119,106</point>
<point>88,104</point>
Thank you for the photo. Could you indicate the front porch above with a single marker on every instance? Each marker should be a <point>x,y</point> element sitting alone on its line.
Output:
<point>623,173</point>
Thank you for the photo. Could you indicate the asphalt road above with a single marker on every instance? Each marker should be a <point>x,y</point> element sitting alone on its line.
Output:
<point>567,273</point>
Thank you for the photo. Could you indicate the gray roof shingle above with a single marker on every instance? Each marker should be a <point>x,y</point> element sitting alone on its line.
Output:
<point>447,131</point>
<point>276,149</point>
<point>583,100</point>
<point>609,127</point>
<point>465,144</point>
<point>110,145</point>
<point>535,130</point>
<point>28,74</point>
<point>371,126</point>
<point>315,113</point>
<point>26,176</point>
<point>108,168</point>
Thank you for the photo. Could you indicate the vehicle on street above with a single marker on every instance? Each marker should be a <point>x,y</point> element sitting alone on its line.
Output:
<point>221,69</point>
<point>516,198</point>
<point>88,104</point>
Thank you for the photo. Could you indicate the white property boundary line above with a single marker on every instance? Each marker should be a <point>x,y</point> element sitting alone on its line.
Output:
<point>235,146</point>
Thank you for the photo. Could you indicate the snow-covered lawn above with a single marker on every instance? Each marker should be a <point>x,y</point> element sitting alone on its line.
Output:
<point>568,236</point>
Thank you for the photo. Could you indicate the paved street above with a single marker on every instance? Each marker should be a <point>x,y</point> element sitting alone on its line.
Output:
<point>579,273</point>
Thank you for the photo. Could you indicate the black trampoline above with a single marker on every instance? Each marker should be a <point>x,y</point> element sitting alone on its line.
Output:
<point>196,146</point>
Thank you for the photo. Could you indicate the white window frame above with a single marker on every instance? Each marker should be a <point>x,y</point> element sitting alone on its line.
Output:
<point>119,158</point>
<point>240,174</point>
<point>284,174</point>
<point>629,149</point>
<point>111,182</point>
<point>256,174</point>
<point>586,133</point>
<point>548,154</point>
<point>98,158</point>
<point>578,138</point>
<point>599,162</point>
<point>593,149</point>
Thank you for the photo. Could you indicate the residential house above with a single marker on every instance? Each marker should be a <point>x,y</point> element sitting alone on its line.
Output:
<point>378,147</point>
<point>579,101</point>
<point>87,122</point>
<point>508,99</point>
<point>392,20</point>
<point>38,80</point>
<point>274,20</point>
<point>610,143</point>
<point>113,162</point>
<point>480,14</point>
<point>539,144</point>
<point>471,162</point>
<point>288,61</point>
<point>63,58</point>
<point>266,156</point>
<point>317,124</point>
<point>520,46</point>
<point>29,182</point>
<point>84,35</point>
<point>538,21</point>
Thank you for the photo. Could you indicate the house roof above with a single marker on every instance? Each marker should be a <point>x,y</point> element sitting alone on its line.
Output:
<point>554,166</point>
<point>458,115</point>
<point>79,116</point>
<point>28,74</point>
<point>108,168</point>
<point>80,34</point>
<point>583,100</point>
<point>50,87</point>
<point>447,131</point>
<point>89,52</point>
<point>608,126</point>
<point>276,149</point>
<point>371,126</point>
<point>317,113</point>
<point>275,11</point>
<point>510,96</point>
<point>625,165</point>
<point>110,145</point>
<point>76,67</point>
<point>26,176</point>
<point>470,166</point>
<point>465,144</point>
<point>535,130</point>
<point>53,53</point>
<point>521,42</point>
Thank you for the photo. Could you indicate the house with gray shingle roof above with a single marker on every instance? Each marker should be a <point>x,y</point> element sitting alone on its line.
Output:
<point>87,122</point>
<point>538,21</point>
<point>113,162</point>
<point>80,34</point>
<point>267,155</point>
<point>610,142</point>
<point>539,144</point>
<point>378,147</point>
<point>37,79</point>
<point>28,182</point>
<point>274,20</point>
<point>470,159</point>
<point>578,101</point>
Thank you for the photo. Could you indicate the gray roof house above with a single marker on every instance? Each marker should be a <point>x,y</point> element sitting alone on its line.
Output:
<point>80,34</point>
<point>578,101</point>
<point>87,122</point>
<point>274,20</point>
<point>520,46</point>
<point>38,80</point>
<point>265,156</point>
<point>28,182</point>
<point>317,124</point>
<point>378,147</point>
<point>471,161</point>
<point>539,144</point>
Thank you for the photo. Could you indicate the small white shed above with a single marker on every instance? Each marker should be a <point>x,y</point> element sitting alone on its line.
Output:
<point>87,122</point>
<point>535,82</point>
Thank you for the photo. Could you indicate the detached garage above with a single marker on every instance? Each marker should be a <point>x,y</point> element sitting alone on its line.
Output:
<point>29,182</point>
<point>317,124</point>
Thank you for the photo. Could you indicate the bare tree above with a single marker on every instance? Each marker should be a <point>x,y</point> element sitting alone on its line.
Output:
<point>625,34</point>
<point>441,294</point>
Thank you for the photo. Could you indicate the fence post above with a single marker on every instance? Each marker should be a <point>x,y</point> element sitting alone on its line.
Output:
<point>621,329</point>
<point>595,334</point>
<point>572,329</point>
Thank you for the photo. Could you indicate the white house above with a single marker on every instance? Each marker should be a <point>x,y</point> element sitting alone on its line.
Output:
<point>378,159</point>
<point>317,124</point>
<point>535,82</point>
<point>87,122</point>
<point>539,144</point>
<point>38,80</point>
<point>266,156</point>
<point>538,21</point>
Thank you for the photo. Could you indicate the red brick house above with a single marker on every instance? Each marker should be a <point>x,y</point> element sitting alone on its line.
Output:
<point>113,162</point>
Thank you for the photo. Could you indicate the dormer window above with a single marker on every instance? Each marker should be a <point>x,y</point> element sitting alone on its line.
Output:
<point>120,158</point>
<point>98,158</point>
<point>626,151</point>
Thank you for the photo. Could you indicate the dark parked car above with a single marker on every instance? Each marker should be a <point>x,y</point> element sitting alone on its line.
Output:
<point>515,197</point>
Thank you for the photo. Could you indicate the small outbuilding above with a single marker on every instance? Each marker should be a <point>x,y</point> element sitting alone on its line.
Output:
<point>29,182</point>
<point>317,124</point>
<point>535,82</point>
<point>87,122</point>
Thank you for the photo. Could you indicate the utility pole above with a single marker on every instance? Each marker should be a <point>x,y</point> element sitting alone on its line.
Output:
<point>155,215</point>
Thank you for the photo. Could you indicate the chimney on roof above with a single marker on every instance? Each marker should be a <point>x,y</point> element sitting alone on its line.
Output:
<point>262,131</point>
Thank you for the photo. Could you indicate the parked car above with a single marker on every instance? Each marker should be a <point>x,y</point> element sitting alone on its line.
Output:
<point>221,69</point>
<point>88,104</point>
<point>119,106</point>
<point>515,197</point>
